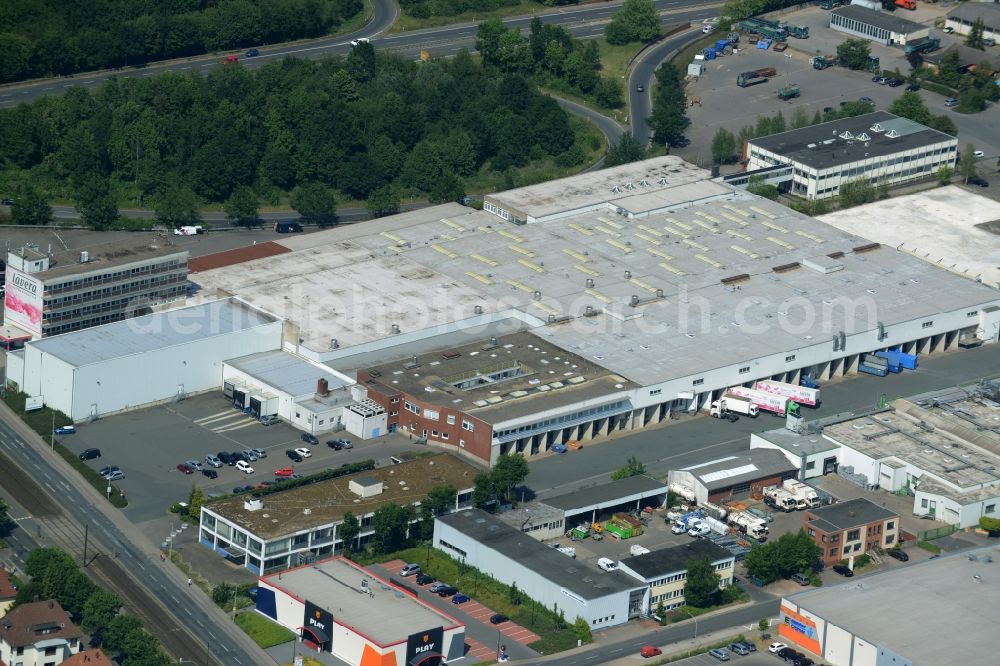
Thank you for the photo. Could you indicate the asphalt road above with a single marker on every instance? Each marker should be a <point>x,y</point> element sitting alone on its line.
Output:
<point>641,74</point>
<point>696,439</point>
<point>189,624</point>
<point>583,22</point>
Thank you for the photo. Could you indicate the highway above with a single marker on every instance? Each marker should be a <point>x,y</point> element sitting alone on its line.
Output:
<point>52,507</point>
<point>583,22</point>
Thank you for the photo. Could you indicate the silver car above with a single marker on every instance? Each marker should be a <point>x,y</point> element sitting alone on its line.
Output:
<point>194,464</point>
<point>213,460</point>
<point>720,653</point>
<point>250,455</point>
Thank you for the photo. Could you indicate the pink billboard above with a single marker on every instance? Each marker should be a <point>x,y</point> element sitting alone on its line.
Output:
<point>22,305</point>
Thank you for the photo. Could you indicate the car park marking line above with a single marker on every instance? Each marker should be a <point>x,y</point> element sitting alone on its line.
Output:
<point>221,416</point>
<point>235,427</point>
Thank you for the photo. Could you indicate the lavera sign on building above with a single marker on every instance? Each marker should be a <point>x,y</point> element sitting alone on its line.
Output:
<point>23,301</point>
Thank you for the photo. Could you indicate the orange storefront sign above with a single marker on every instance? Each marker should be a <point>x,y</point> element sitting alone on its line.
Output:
<point>799,630</point>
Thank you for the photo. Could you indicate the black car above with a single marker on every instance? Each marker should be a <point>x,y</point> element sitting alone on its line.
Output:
<point>210,473</point>
<point>447,591</point>
<point>252,53</point>
<point>899,554</point>
<point>893,83</point>
<point>238,456</point>
<point>293,455</point>
<point>226,458</point>
<point>6,202</point>
<point>498,618</point>
<point>843,570</point>
<point>981,182</point>
<point>335,444</point>
<point>913,87</point>
<point>425,579</point>
<point>309,439</point>
<point>782,652</point>
<point>90,454</point>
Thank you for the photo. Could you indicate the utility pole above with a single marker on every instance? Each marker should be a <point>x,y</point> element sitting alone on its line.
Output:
<point>86,534</point>
<point>52,433</point>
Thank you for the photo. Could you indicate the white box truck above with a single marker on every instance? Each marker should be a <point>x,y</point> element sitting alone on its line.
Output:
<point>731,403</point>
<point>780,499</point>
<point>776,404</point>
<point>805,497</point>
<point>749,524</point>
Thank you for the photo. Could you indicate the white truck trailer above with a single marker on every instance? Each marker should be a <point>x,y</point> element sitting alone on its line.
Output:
<point>732,403</point>
<point>805,497</point>
<point>768,402</point>
<point>780,499</point>
<point>800,394</point>
<point>749,524</point>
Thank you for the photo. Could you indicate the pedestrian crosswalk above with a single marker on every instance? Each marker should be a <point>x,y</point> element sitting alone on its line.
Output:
<point>226,421</point>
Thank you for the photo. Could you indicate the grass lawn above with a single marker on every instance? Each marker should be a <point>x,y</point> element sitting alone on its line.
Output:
<point>263,631</point>
<point>525,7</point>
<point>615,59</point>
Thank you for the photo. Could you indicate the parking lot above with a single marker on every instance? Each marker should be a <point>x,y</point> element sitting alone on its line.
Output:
<point>148,445</point>
<point>755,659</point>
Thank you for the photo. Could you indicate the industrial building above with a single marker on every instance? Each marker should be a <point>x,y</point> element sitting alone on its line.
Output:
<point>733,477</point>
<point>939,611</point>
<point>964,16</point>
<point>577,588</point>
<point>554,516</point>
<point>625,300</point>
<point>848,529</point>
<point>664,571</point>
<point>292,527</point>
<point>809,452</point>
<point>878,147</point>
<point>95,371</point>
<point>339,607</point>
<point>48,293</point>
<point>877,26</point>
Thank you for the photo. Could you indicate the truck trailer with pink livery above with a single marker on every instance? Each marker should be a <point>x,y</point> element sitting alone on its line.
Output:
<point>769,402</point>
<point>800,394</point>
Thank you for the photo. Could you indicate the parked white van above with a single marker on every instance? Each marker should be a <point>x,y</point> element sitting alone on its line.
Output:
<point>607,564</point>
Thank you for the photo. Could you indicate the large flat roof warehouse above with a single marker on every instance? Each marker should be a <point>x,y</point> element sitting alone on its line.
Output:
<point>651,299</point>
<point>580,577</point>
<point>932,440</point>
<point>533,374</point>
<point>327,501</point>
<point>955,594</point>
<point>848,140</point>
<point>380,611</point>
<point>292,374</point>
<point>153,332</point>
<point>948,227</point>
<point>535,203</point>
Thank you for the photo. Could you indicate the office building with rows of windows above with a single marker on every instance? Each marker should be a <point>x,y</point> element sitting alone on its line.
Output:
<point>875,147</point>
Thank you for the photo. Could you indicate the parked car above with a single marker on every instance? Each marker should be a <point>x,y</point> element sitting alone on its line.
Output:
<point>184,469</point>
<point>722,654</point>
<point>707,29</point>
<point>801,579</point>
<point>894,83</point>
<point>117,475</point>
<point>447,591</point>
<point>749,645</point>
<point>866,100</point>
<point>843,570</point>
<point>424,579</point>
<point>951,101</point>
<point>270,419</point>
<point>739,648</point>
<point>284,471</point>
<point>66,430</point>
<point>252,53</point>
<point>776,647</point>
<point>913,87</point>
<point>881,80</point>
<point>104,471</point>
<point>409,570</point>
<point>650,651</point>
<point>210,473</point>
<point>287,227</point>
<point>90,454</point>
<point>977,153</point>
<point>238,456</point>
<point>980,182</point>
<point>460,599</point>
<point>213,460</point>
<point>558,448</point>
<point>309,439</point>
<point>227,458</point>
<point>260,453</point>
<point>498,618</point>
<point>335,444</point>
<point>344,443</point>
<point>250,455</point>
<point>194,464</point>
<point>304,452</point>
<point>242,489</point>
<point>244,467</point>
<point>293,455</point>
<point>360,40</point>
<point>437,587</point>
<point>899,554</point>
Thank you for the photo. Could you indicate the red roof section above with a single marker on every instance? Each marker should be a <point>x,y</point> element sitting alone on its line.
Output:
<point>7,589</point>
<point>237,256</point>
<point>88,658</point>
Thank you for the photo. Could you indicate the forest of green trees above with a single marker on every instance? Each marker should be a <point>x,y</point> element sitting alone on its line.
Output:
<point>361,126</point>
<point>56,37</point>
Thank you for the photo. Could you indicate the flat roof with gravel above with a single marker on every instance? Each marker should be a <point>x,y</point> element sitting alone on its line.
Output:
<point>800,444</point>
<point>326,502</point>
<point>948,227</point>
<point>954,594</point>
<point>381,612</point>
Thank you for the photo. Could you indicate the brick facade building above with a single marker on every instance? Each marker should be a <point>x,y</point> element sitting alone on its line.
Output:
<point>851,528</point>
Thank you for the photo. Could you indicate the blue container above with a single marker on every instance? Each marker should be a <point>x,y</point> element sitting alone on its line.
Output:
<point>710,54</point>
<point>721,44</point>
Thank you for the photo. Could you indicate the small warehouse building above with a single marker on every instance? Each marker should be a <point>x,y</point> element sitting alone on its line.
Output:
<point>579,589</point>
<point>964,16</point>
<point>876,147</point>
<point>848,529</point>
<point>734,477</point>
<point>877,26</point>
<point>664,572</point>
<point>339,607</point>
<point>940,611</point>
<point>811,453</point>
<point>97,371</point>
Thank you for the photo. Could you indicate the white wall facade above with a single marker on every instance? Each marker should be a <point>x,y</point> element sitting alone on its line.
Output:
<point>606,611</point>
<point>810,466</point>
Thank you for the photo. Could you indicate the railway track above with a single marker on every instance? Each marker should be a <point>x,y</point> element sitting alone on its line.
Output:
<point>103,564</point>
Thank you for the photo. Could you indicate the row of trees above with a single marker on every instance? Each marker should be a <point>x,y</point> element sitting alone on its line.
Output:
<point>669,121</point>
<point>552,56</point>
<point>51,37</point>
<point>371,126</point>
<point>789,554</point>
<point>56,575</point>
<point>423,9</point>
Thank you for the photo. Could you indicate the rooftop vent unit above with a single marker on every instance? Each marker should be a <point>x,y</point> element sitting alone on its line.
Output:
<point>784,268</point>
<point>877,127</point>
<point>733,279</point>
<point>882,335</point>
<point>846,135</point>
<point>492,344</point>
<point>867,248</point>
<point>836,255</point>
<point>537,295</point>
<point>395,329</point>
<point>590,283</point>
<point>253,504</point>
<point>451,354</point>
<point>628,275</point>
<point>864,137</point>
<point>836,343</point>
<point>589,311</point>
<point>334,344</point>
<point>478,309</point>
<point>616,189</point>
<point>892,134</point>
<point>811,145</point>
<point>629,186</point>
<point>828,142</point>
<point>662,180</point>
<point>412,363</point>
<point>643,183</point>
